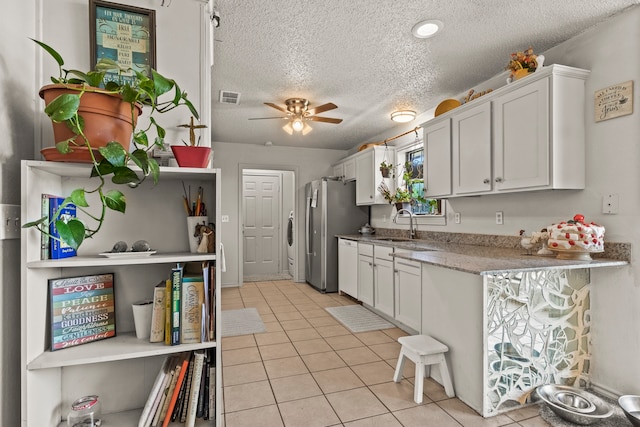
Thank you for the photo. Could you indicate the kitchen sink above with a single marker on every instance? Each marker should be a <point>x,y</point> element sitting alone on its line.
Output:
<point>394,239</point>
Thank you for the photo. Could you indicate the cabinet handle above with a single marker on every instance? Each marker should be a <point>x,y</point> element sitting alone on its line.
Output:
<point>498,179</point>
<point>486,181</point>
<point>370,196</point>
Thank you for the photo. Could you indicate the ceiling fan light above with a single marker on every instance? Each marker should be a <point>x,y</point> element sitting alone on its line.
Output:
<point>403,116</point>
<point>297,124</point>
<point>287,128</point>
<point>427,28</point>
<point>306,129</point>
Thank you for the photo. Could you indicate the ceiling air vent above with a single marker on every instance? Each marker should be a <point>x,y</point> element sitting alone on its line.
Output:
<point>228,97</point>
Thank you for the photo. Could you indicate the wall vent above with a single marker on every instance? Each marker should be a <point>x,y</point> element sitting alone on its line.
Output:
<point>229,97</point>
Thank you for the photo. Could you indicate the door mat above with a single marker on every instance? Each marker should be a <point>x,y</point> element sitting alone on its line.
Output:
<point>243,321</point>
<point>358,319</point>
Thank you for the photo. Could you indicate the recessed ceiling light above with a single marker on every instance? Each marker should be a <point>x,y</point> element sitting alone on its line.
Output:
<point>403,116</point>
<point>426,29</point>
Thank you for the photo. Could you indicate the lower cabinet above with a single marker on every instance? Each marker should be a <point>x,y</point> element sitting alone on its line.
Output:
<point>408,293</point>
<point>383,279</point>
<point>347,274</point>
<point>365,273</point>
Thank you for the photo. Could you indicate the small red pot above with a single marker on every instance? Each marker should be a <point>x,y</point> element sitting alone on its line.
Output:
<point>191,157</point>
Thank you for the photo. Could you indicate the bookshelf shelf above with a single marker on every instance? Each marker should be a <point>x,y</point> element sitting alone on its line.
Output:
<point>121,347</point>
<point>120,370</point>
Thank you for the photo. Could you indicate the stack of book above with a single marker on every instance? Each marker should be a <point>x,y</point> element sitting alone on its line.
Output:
<point>54,209</point>
<point>183,391</point>
<point>184,306</point>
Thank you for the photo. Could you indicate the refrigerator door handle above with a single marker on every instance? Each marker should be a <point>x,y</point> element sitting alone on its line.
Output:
<point>308,226</point>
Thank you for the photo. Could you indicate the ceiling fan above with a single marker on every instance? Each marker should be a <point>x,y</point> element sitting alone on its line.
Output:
<point>297,112</point>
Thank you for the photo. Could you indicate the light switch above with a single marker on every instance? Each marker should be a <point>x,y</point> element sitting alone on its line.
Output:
<point>225,218</point>
<point>9,222</point>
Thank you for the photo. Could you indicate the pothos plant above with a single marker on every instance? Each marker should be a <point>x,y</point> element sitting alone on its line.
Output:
<point>116,160</point>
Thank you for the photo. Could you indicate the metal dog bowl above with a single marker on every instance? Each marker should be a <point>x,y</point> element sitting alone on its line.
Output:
<point>573,404</point>
<point>631,407</point>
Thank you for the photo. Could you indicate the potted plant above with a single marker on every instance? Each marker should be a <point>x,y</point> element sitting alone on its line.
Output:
<point>523,63</point>
<point>113,157</point>
<point>401,197</point>
<point>191,155</point>
<point>385,168</point>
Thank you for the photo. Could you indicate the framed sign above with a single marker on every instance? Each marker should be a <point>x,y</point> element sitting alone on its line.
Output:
<point>82,310</point>
<point>125,34</point>
<point>613,101</point>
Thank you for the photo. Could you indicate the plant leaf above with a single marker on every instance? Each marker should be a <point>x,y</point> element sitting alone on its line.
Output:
<point>115,200</point>
<point>94,78</point>
<point>78,198</point>
<point>114,153</point>
<point>140,137</point>
<point>188,103</point>
<point>71,232</point>
<point>63,107</point>
<point>141,159</point>
<point>155,170</point>
<point>161,83</point>
<point>124,175</point>
<point>63,146</point>
<point>51,52</point>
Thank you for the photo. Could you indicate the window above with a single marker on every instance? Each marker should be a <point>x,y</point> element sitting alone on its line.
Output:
<point>411,178</point>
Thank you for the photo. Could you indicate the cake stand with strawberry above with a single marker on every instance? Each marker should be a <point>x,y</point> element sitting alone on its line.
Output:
<point>576,239</point>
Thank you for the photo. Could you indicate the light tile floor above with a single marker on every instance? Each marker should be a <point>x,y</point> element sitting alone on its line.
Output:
<point>308,370</point>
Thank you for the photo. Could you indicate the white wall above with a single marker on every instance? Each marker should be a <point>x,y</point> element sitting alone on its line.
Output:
<point>307,163</point>
<point>611,51</point>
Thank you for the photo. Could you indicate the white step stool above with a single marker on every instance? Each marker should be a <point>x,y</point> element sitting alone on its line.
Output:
<point>424,351</point>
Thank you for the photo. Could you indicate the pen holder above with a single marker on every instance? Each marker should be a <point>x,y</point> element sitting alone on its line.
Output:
<point>193,226</point>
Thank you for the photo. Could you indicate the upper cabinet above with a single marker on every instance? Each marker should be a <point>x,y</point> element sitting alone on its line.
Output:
<point>437,150</point>
<point>528,135</point>
<point>368,176</point>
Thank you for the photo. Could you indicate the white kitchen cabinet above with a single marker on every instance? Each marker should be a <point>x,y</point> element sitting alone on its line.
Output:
<point>408,293</point>
<point>121,369</point>
<point>383,279</point>
<point>338,171</point>
<point>368,176</point>
<point>347,267</point>
<point>350,169</point>
<point>437,150</point>
<point>471,148</point>
<point>365,273</point>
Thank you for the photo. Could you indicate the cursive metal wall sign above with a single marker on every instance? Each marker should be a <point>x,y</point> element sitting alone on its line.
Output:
<point>613,101</point>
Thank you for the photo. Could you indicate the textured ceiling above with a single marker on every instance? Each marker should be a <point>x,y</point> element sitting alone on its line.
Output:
<point>361,55</point>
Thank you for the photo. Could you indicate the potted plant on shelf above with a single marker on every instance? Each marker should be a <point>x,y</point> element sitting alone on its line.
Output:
<point>110,155</point>
<point>191,155</point>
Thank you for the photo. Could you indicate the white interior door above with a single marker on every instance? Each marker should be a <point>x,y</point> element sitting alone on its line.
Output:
<point>261,229</point>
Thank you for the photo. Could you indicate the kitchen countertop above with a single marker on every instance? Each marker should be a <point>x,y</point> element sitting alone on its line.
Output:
<point>475,259</point>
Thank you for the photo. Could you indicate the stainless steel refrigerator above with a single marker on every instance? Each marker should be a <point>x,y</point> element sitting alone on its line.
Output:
<point>330,210</point>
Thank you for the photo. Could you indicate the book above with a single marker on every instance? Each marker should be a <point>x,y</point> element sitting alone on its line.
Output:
<point>191,302</point>
<point>167,312</point>
<point>59,211</point>
<point>82,310</point>
<point>194,390</point>
<point>164,391</point>
<point>158,313</point>
<point>155,390</point>
<point>158,397</point>
<point>44,238</point>
<point>181,374</point>
<point>202,396</point>
<point>184,393</point>
<point>176,294</point>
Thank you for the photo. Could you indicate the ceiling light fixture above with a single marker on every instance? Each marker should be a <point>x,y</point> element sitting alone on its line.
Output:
<point>427,28</point>
<point>297,124</point>
<point>403,116</point>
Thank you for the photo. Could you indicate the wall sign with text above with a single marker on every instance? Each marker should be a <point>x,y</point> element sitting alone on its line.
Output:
<point>125,34</point>
<point>613,101</point>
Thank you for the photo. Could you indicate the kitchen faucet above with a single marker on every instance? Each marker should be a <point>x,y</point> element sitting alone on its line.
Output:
<point>412,231</point>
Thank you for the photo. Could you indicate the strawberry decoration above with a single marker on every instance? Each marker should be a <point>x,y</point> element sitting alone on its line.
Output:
<point>578,218</point>
<point>572,243</point>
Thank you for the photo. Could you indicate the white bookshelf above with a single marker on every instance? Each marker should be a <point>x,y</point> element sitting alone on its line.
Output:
<point>122,369</point>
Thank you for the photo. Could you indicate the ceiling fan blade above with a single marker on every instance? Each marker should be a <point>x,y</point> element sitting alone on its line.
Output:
<point>321,109</point>
<point>266,118</point>
<point>277,107</point>
<point>325,119</point>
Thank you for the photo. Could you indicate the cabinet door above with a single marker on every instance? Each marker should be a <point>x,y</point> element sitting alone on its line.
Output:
<point>521,137</point>
<point>365,279</point>
<point>365,190</point>
<point>383,283</point>
<point>350,170</point>
<point>408,286</point>
<point>338,171</point>
<point>472,150</point>
<point>437,151</point>
<point>347,267</point>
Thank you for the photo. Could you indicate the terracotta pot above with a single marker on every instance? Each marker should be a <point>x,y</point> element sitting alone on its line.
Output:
<point>191,157</point>
<point>106,117</point>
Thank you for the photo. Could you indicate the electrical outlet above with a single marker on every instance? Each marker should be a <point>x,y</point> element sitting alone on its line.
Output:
<point>499,218</point>
<point>9,222</point>
<point>610,204</point>
<point>456,218</point>
<point>225,218</point>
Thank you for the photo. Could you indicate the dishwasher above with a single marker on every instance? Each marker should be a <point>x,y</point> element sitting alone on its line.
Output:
<point>348,267</point>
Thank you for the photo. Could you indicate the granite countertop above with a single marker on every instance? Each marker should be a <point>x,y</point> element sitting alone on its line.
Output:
<point>478,259</point>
